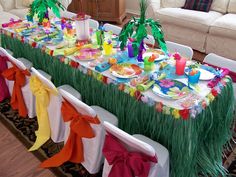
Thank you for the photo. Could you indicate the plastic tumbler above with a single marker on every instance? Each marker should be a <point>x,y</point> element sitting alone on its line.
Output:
<point>148,66</point>
<point>82,28</point>
<point>180,66</point>
<point>193,79</point>
<point>107,47</point>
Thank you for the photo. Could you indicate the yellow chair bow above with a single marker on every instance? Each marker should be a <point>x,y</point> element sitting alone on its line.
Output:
<point>42,94</point>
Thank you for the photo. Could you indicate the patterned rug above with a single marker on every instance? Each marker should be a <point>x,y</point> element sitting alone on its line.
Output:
<point>24,130</point>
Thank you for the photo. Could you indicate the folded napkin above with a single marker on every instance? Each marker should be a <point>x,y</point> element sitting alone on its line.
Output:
<point>12,22</point>
<point>39,38</point>
<point>218,77</point>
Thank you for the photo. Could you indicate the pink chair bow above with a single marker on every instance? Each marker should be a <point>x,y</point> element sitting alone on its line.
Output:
<point>3,86</point>
<point>124,163</point>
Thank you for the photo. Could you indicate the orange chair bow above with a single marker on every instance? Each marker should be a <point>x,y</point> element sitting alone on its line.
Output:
<point>79,128</point>
<point>19,77</point>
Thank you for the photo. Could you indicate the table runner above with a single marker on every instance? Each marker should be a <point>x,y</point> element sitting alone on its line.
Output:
<point>195,145</point>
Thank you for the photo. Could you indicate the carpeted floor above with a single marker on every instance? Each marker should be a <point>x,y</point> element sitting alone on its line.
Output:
<point>24,130</point>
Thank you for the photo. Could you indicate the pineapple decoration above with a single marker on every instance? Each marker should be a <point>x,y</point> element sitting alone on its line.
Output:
<point>139,25</point>
<point>40,9</point>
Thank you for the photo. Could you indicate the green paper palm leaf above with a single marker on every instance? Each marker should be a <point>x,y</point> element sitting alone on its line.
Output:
<point>40,8</point>
<point>126,32</point>
<point>136,28</point>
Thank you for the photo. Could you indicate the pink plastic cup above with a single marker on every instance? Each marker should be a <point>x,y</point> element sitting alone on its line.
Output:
<point>180,66</point>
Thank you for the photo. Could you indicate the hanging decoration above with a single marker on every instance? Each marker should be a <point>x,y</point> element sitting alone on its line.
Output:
<point>136,28</point>
<point>40,9</point>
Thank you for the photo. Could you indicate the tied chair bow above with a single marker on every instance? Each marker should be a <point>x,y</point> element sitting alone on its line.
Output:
<point>79,128</point>
<point>3,86</point>
<point>124,163</point>
<point>42,95</point>
<point>19,77</point>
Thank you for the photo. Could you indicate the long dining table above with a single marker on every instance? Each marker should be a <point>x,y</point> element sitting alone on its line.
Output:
<point>194,129</point>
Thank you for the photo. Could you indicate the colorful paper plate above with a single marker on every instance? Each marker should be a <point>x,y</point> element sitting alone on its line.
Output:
<point>171,89</point>
<point>205,74</point>
<point>159,53</point>
<point>125,70</point>
<point>88,54</point>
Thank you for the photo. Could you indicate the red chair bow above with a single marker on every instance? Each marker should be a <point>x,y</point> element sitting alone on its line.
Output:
<point>3,86</point>
<point>19,78</point>
<point>124,163</point>
<point>79,128</point>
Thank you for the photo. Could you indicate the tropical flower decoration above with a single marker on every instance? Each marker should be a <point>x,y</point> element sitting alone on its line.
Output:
<point>136,29</point>
<point>167,83</point>
<point>40,8</point>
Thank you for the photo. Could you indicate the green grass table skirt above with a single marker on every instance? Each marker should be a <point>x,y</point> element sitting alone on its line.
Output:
<point>195,145</point>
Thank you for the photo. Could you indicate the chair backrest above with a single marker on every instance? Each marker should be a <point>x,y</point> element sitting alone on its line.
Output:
<point>68,14</point>
<point>219,61</point>
<point>79,105</point>
<point>93,24</point>
<point>184,50</point>
<point>43,79</point>
<point>115,29</point>
<point>131,143</point>
<point>149,40</point>
<point>18,63</point>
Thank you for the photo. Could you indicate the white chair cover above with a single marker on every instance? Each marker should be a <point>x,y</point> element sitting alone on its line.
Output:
<point>184,50</point>
<point>93,158</point>
<point>28,96</point>
<point>10,52</point>
<point>140,143</point>
<point>57,124</point>
<point>220,61</point>
<point>28,64</point>
<point>68,14</point>
<point>93,24</point>
<point>115,29</point>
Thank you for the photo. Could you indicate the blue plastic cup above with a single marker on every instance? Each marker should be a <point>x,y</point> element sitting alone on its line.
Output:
<point>194,78</point>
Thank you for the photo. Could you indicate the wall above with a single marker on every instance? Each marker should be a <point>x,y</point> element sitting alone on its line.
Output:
<point>132,6</point>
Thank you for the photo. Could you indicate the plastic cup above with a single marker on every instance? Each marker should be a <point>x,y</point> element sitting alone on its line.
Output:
<point>180,66</point>
<point>82,28</point>
<point>108,48</point>
<point>194,79</point>
<point>148,66</point>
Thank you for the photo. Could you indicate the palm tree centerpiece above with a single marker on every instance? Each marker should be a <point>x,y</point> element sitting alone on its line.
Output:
<point>136,28</point>
<point>40,8</point>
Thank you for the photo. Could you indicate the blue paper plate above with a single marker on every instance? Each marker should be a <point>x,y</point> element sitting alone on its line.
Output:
<point>171,89</point>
